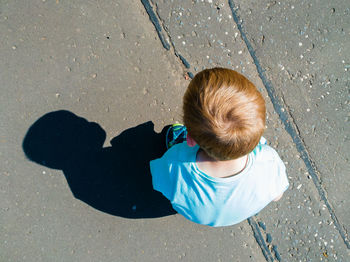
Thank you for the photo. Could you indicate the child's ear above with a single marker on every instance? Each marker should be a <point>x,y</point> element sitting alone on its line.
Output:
<point>190,141</point>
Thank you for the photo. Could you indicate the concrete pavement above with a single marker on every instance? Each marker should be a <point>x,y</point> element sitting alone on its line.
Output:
<point>122,64</point>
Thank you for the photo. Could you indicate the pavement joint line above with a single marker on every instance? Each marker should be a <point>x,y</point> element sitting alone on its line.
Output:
<point>157,21</point>
<point>290,126</point>
<point>260,239</point>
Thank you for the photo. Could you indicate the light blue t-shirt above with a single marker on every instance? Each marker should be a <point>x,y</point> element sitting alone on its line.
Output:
<point>216,201</point>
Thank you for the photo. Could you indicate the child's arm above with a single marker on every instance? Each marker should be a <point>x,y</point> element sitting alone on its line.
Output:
<point>278,198</point>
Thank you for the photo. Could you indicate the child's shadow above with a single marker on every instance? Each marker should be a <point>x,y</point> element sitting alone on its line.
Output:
<point>116,179</point>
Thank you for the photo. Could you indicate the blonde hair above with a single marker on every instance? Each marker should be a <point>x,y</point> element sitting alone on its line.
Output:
<point>224,113</point>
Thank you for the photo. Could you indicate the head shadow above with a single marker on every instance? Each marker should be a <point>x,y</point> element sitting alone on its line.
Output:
<point>115,179</point>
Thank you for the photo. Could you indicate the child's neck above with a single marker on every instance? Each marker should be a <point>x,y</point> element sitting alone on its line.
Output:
<point>216,168</point>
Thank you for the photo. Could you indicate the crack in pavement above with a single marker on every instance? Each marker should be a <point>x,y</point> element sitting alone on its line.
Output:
<point>260,240</point>
<point>165,40</point>
<point>155,22</point>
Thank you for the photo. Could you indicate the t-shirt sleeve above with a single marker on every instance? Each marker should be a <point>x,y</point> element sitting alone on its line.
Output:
<point>161,179</point>
<point>280,179</point>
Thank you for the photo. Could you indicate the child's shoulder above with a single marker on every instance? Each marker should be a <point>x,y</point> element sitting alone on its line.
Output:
<point>264,152</point>
<point>180,152</point>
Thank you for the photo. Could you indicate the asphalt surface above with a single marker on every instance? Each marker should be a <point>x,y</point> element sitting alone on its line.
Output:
<point>122,64</point>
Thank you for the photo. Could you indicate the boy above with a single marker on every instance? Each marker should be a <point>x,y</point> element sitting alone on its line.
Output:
<point>218,170</point>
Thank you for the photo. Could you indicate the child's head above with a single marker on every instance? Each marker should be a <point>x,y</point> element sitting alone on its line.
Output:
<point>224,113</point>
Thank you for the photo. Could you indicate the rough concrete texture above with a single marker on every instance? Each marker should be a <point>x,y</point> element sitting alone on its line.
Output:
<point>104,61</point>
<point>205,34</point>
<point>303,46</point>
